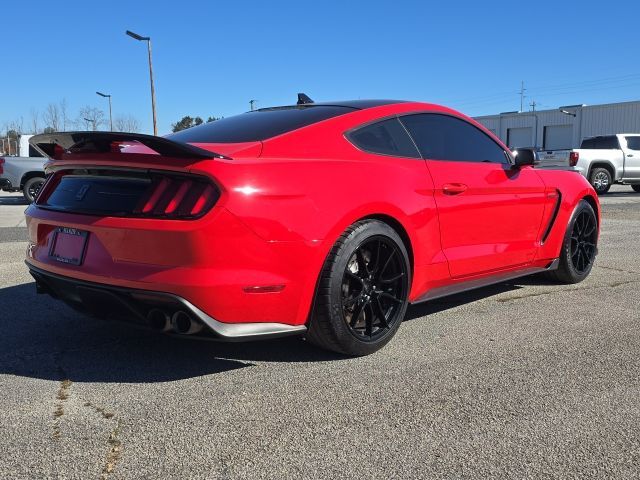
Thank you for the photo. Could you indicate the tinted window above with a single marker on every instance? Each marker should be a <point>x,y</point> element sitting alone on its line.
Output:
<point>33,152</point>
<point>603,143</point>
<point>258,125</point>
<point>442,137</point>
<point>633,143</point>
<point>387,137</point>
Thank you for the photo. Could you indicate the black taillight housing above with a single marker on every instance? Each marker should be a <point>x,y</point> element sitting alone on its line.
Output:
<point>128,193</point>
<point>177,197</point>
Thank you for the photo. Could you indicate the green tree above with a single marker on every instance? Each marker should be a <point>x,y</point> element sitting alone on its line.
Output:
<point>188,122</point>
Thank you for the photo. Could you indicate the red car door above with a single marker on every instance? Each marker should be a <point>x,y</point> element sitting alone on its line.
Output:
<point>489,211</point>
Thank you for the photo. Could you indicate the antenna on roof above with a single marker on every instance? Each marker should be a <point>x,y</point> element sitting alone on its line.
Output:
<point>303,99</point>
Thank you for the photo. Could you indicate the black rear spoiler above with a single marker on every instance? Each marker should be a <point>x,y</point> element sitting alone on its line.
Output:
<point>100,142</point>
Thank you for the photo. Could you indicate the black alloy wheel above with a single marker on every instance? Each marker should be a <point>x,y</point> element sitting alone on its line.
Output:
<point>583,241</point>
<point>579,247</point>
<point>373,288</point>
<point>362,291</point>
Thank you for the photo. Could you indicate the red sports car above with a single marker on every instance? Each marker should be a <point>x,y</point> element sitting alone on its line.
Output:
<point>316,219</point>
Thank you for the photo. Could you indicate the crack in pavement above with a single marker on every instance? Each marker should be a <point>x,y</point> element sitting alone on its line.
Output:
<point>539,294</point>
<point>619,270</point>
<point>62,396</point>
<point>113,442</point>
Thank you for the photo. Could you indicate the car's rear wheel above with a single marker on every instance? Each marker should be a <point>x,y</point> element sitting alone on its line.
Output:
<point>31,188</point>
<point>636,188</point>
<point>579,247</point>
<point>600,179</point>
<point>362,292</point>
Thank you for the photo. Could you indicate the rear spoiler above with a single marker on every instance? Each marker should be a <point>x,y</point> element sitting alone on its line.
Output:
<point>53,145</point>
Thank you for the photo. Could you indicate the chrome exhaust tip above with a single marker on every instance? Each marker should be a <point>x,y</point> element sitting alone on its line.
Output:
<point>182,323</point>
<point>159,320</point>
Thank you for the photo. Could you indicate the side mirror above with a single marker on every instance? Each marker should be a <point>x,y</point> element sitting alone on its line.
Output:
<point>524,156</point>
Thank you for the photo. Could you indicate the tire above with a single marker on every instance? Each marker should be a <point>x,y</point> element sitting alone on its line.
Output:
<point>361,297</point>
<point>576,258</point>
<point>31,188</point>
<point>600,179</point>
<point>636,188</point>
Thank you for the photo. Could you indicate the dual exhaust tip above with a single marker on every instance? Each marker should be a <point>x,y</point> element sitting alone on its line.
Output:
<point>180,322</point>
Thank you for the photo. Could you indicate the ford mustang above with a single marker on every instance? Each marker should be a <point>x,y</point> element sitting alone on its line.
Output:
<point>317,219</point>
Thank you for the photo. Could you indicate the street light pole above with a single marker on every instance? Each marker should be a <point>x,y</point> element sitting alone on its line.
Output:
<point>91,121</point>
<point>110,117</point>
<point>153,90</point>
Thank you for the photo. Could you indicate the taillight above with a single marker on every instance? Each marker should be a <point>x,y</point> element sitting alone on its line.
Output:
<point>177,197</point>
<point>573,158</point>
<point>1,165</point>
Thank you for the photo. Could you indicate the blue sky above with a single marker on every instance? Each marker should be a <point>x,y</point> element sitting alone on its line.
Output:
<point>211,57</point>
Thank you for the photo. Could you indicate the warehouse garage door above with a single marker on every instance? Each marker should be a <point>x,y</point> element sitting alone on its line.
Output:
<point>519,137</point>
<point>558,137</point>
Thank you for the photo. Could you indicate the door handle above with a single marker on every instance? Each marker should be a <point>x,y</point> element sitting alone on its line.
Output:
<point>629,154</point>
<point>453,188</point>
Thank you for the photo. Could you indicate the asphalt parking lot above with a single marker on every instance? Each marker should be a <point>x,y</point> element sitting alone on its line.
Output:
<point>521,380</point>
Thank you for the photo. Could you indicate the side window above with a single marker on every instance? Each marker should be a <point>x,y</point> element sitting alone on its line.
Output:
<point>387,137</point>
<point>633,143</point>
<point>443,137</point>
<point>609,142</point>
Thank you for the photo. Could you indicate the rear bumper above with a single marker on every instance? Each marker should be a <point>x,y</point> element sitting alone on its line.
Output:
<point>5,184</point>
<point>215,263</point>
<point>133,306</point>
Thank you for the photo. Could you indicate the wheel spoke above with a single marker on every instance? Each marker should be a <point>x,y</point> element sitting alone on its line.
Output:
<point>392,279</point>
<point>362,262</point>
<point>356,314</point>
<point>377,265</point>
<point>368,321</point>
<point>390,297</point>
<point>387,262</point>
<point>351,301</point>
<point>380,313</point>
<point>355,277</point>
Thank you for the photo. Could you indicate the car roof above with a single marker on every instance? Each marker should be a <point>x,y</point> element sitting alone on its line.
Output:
<point>355,104</point>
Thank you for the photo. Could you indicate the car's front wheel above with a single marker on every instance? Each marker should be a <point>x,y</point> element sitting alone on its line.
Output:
<point>361,297</point>
<point>579,247</point>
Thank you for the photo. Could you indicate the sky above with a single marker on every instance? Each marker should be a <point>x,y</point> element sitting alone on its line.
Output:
<point>211,57</point>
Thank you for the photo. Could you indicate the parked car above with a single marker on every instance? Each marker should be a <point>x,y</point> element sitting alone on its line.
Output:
<point>22,174</point>
<point>603,160</point>
<point>316,219</point>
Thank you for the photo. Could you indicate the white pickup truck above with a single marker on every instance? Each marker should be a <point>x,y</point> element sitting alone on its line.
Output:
<point>24,173</point>
<point>603,160</point>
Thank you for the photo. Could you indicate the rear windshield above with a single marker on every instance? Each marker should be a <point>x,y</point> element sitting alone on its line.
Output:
<point>259,124</point>
<point>600,143</point>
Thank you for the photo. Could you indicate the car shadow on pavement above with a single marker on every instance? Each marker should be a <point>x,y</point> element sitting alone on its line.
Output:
<point>43,338</point>
<point>629,194</point>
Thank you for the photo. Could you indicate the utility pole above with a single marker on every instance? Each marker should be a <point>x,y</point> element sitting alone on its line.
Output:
<point>522,90</point>
<point>533,106</point>
<point>252,104</point>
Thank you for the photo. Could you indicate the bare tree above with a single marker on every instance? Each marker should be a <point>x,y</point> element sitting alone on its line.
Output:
<point>52,116</point>
<point>126,123</point>
<point>35,115</point>
<point>91,118</point>
<point>64,114</point>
